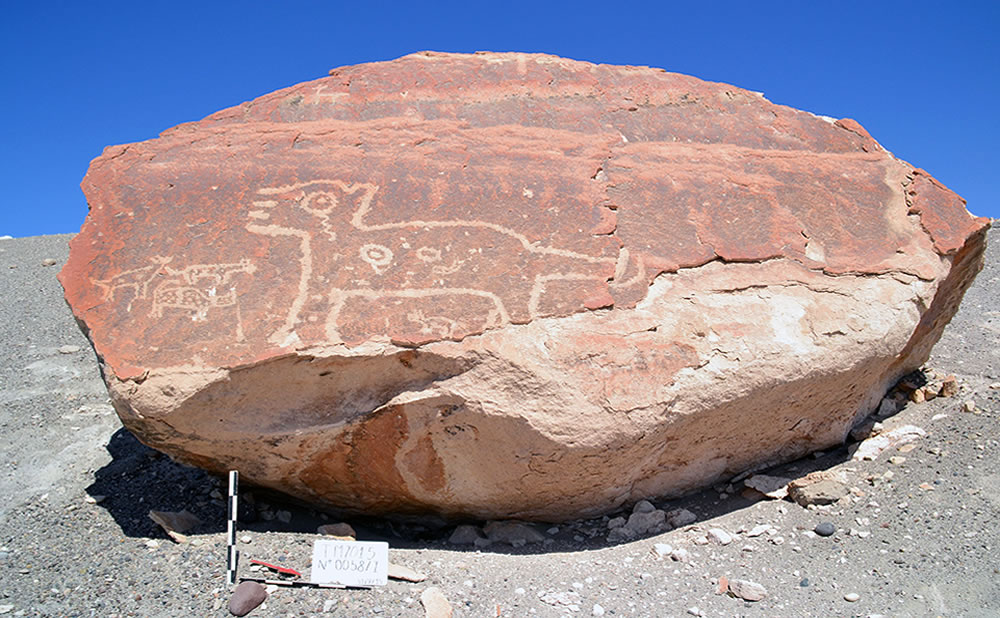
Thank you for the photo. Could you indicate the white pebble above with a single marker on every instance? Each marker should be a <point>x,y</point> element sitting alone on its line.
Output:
<point>597,611</point>
<point>720,536</point>
<point>851,597</point>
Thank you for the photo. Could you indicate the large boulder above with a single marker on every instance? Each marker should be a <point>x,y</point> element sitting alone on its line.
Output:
<point>509,285</point>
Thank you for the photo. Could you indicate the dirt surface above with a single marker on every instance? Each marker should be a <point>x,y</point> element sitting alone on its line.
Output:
<point>915,536</point>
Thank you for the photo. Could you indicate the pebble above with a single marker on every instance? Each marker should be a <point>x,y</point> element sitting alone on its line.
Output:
<point>597,611</point>
<point>397,571</point>
<point>758,530</point>
<point>513,533</point>
<point>246,598</point>
<point>338,529</point>
<point>747,590</point>
<point>328,605</point>
<point>852,597</point>
<point>69,349</point>
<point>826,491</point>
<point>643,506</point>
<point>680,555</point>
<point>435,604</point>
<point>284,516</point>
<point>663,549</point>
<point>825,529</point>
<point>245,538</point>
<point>720,536</point>
<point>49,262</point>
<point>969,406</point>
<point>465,534</point>
<point>6,609</point>
<point>694,611</point>
<point>681,517</point>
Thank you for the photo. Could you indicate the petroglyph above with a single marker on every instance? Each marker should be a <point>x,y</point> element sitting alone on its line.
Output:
<point>136,281</point>
<point>398,275</point>
<point>195,289</point>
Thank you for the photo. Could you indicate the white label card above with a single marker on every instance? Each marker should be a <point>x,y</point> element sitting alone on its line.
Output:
<point>350,563</point>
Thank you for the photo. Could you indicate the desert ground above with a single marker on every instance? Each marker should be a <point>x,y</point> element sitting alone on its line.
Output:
<point>916,535</point>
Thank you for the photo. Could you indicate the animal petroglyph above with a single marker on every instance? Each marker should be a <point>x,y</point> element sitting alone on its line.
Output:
<point>423,278</point>
<point>195,289</point>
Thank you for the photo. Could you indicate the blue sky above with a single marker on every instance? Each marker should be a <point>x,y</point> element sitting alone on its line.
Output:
<point>922,77</point>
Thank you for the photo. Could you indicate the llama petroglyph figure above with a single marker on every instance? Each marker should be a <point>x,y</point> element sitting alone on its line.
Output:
<point>417,279</point>
<point>194,289</point>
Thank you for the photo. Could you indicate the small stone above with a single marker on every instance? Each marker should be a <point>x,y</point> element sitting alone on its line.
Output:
<point>597,611</point>
<point>931,391</point>
<point>918,396</point>
<point>995,386</point>
<point>341,529</point>
<point>758,530</point>
<point>681,517</point>
<point>398,571</point>
<point>246,598</point>
<point>825,491</point>
<point>152,544</point>
<point>328,605</point>
<point>804,583</point>
<point>720,536</point>
<point>49,262</point>
<point>747,590</point>
<point>775,487</point>
<point>175,523</point>
<point>825,529</point>
<point>662,549</point>
<point>284,516</point>
<point>694,611</point>
<point>513,533</point>
<point>896,460</point>
<point>554,530</point>
<point>969,406</point>
<point>465,534</point>
<point>643,506</point>
<point>949,388</point>
<point>722,587</point>
<point>69,349</point>
<point>852,597</point>
<point>6,609</point>
<point>246,538</point>
<point>616,522</point>
<point>680,555</point>
<point>645,521</point>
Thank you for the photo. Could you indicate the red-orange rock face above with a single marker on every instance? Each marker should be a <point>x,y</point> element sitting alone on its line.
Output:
<point>508,284</point>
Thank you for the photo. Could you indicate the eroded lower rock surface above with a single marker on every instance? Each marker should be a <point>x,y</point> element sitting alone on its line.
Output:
<point>509,285</point>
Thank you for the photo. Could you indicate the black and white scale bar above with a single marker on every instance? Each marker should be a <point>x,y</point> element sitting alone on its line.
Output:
<point>232,554</point>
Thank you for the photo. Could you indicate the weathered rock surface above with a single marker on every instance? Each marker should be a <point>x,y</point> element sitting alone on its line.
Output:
<point>509,285</point>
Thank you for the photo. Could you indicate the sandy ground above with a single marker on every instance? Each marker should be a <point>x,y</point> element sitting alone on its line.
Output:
<point>917,536</point>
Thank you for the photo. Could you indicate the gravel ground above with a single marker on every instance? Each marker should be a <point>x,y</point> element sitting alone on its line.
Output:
<point>917,535</point>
